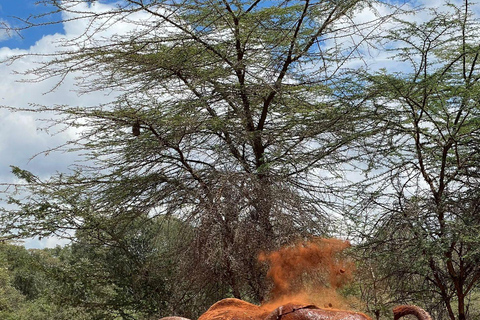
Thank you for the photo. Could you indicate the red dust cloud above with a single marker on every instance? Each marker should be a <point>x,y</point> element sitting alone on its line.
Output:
<point>309,273</point>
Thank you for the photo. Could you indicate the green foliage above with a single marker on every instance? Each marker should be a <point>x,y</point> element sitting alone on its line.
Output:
<point>27,290</point>
<point>10,298</point>
<point>137,269</point>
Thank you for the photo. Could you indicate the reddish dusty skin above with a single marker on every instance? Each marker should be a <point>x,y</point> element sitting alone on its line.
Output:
<point>404,310</point>
<point>311,312</point>
<point>235,309</point>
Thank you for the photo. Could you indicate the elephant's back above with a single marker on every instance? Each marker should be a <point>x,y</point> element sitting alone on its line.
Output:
<point>234,309</point>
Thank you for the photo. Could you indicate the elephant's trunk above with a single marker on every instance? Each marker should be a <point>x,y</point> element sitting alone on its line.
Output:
<point>404,310</point>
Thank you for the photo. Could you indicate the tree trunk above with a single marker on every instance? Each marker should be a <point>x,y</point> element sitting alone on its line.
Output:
<point>461,307</point>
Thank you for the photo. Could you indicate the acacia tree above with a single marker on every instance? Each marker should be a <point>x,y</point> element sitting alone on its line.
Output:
<point>426,162</point>
<point>228,115</point>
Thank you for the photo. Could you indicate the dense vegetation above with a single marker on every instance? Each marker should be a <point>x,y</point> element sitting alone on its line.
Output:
<point>135,276</point>
<point>238,127</point>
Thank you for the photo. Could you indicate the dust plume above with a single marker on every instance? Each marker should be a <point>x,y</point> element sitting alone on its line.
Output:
<point>309,273</point>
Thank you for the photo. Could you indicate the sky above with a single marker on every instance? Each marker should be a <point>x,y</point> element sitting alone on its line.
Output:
<point>21,136</point>
<point>10,9</point>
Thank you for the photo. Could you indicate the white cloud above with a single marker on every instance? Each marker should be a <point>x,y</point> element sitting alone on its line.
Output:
<point>106,22</point>
<point>376,20</point>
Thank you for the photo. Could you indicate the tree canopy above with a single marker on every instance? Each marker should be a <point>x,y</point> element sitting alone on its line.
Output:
<point>236,127</point>
<point>230,115</point>
<point>426,161</point>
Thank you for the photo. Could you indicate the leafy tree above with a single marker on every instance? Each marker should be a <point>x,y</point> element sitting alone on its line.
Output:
<point>133,270</point>
<point>26,289</point>
<point>10,297</point>
<point>229,115</point>
<point>423,222</point>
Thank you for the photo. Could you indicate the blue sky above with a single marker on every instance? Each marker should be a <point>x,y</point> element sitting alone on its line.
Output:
<point>10,9</point>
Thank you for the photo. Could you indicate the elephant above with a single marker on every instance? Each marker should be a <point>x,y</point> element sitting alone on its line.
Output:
<point>235,309</point>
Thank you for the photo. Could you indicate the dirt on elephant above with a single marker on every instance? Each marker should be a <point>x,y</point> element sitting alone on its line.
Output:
<point>309,273</point>
<point>234,309</point>
<point>303,274</point>
<point>305,279</point>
